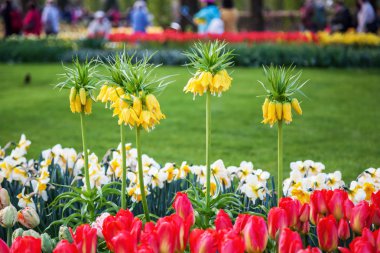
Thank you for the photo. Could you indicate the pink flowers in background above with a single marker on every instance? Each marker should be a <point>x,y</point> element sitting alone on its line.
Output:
<point>242,37</point>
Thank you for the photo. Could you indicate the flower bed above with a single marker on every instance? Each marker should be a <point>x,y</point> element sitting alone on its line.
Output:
<point>127,202</point>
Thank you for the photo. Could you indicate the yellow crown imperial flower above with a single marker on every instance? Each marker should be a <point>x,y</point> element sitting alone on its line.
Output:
<point>210,61</point>
<point>82,95</point>
<point>279,110</point>
<point>73,93</point>
<point>287,112</point>
<point>296,106</point>
<point>78,104</point>
<point>88,106</point>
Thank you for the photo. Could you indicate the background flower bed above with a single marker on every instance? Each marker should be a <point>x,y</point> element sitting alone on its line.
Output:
<point>344,137</point>
<point>301,54</point>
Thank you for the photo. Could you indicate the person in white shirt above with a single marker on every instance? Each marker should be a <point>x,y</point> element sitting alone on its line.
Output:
<point>366,18</point>
<point>50,18</point>
<point>100,27</point>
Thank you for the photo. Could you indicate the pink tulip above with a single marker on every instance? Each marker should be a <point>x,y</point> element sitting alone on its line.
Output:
<point>255,234</point>
<point>86,239</point>
<point>183,207</point>
<point>292,208</point>
<point>277,220</point>
<point>343,230</point>
<point>327,232</point>
<point>203,241</point>
<point>289,241</point>
<point>337,204</point>
<point>360,217</point>
<point>223,221</point>
<point>231,242</point>
<point>240,222</point>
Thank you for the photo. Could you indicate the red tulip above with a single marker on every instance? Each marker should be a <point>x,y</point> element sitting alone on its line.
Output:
<point>222,220</point>
<point>145,249</point>
<point>167,232</point>
<point>86,239</point>
<point>240,222</point>
<point>310,250</point>
<point>337,204</point>
<point>3,247</point>
<point>292,208</point>
<point>360,245</point>
<point>303,227</point>
<point>327,232</point>
<point>360,217</point>
<point>26,244</point>
<point>318,205</point>
<point>375,208</point>
<point>289,241</point>
<point>65,247</point>
<point>277,219</point>
<point>183,207</point>
<point>255,234</point>
<point>203,241</point>
<point>343,230</point>
<point>231,242</point>
<point>304,213</point>
<point>124,242</point>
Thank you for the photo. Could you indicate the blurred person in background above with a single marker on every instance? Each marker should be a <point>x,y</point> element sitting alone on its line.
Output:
<point>12,19</point>
<point>139,17</point>
<point>114,16</point>
<point>32,24</point>
<point>341,20</point>
<point>100,27</point>
<point>320,17</point>
<point>230,16</point>
<point>307,13</point>
<point>208,18</point>
<point>366,17</point>
<point>50,18</point>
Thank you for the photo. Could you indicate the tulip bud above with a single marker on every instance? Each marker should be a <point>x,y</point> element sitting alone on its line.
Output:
<point>296,106</point>
<point>223,221</point>
<point>255,234</point>
<point>289,241</point>
<point>343,230</point>
<point>65,234</point>
<point>327,232</point>
<point>277,219</point>
<point>82,95</point>
<point>279,110</point>
<point>31,232</point>
<point>4,198</point>
<point>360,217</point>
<point>28,217</point>
<point>47,243</point>
<point>304,213</point>
<point>17,233</point>
<point>8,216</point>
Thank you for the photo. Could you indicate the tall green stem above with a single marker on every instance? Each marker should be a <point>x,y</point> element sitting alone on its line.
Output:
<point>141,175</point>
<point>124,167</point>
<point>208,145</point>
<point>280,162</point>
<point>85,152</point>
<point>9,236</point>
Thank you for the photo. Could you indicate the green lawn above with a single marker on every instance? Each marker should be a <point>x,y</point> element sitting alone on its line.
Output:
<point>340,126</point>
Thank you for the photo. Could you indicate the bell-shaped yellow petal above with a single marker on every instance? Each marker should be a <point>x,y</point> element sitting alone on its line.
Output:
<point>287,112</point>
<point>88,106</point>
<point>279,110</point>
<point>296,106</point>
<point>82,95</point>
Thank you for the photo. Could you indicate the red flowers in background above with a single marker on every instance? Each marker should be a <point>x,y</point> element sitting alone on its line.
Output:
<point>181,37</point>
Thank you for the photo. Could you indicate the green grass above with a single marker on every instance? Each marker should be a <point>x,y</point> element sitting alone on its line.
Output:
<point>340,125</point>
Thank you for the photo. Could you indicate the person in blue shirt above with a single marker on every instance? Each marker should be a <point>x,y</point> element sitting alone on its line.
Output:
<point>206,15</point>
<point>140,17</point>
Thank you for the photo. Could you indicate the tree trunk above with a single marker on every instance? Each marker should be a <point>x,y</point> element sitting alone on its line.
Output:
<point>257,15</point>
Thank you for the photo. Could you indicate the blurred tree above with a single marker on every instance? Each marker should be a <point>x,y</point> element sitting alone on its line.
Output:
<point>162,12</point>
<point>256,11</point>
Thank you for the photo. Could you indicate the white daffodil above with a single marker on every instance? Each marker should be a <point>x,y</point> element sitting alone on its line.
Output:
<point>263,176</point>
<point>25,201</point>
<point>183,170</point>
<point>356,192</point>
<point>19,174</point>
<point>245,169</point>
<point>97,176</point>
<point>252,188</point>
<point>334,180</point>
<point>158,177</point>
<point>171,171</point>
<point>299,167</point>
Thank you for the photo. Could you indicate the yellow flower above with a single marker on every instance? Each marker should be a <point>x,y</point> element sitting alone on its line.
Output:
<point>265,108</point>
<point>102,93</point>
<point>205,79</point>
<point>147,120</point>
<point>72,106</point>
<point>279,110</point>
<point>287,112</point>
<point>296,106</point>
<point>78,104</point>
<point>137,105</point>
<point>88,106</point>
<point>194,86</point>
<point>73,92</point>
<point>272,118</point>
<point>82,96</point>
<point>221,82</point>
